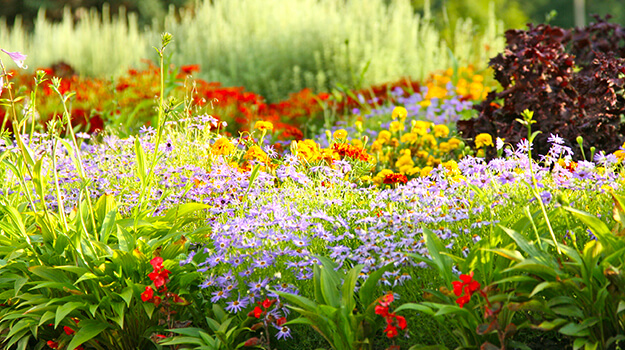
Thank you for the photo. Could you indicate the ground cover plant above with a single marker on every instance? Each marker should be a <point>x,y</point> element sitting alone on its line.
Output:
<point>183,236</point>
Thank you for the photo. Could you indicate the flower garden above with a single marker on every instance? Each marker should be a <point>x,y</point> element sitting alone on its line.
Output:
<point>478,208</point>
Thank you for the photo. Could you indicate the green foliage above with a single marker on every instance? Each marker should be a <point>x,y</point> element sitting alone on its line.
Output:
<point>344,321</point>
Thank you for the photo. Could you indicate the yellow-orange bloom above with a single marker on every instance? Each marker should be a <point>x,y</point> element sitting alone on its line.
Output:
<point>340,134</point>
<point>399,113</point>
<point>384,136</point>
<point>482,140</point>
<point>256,153</point>
<point>308,150</point>
<point>263,125</point>
<point>441,130</point>
<point>222,146</point>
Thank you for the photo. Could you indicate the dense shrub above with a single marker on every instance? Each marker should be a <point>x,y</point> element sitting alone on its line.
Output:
<point>571,80</point>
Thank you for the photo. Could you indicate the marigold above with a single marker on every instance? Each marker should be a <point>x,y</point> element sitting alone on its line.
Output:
<point>256,153</point>
<point>409,138</point>
<point>397,126</point>
<point>340,134</point>
<point>263,125</point>
<point>384,136</point>
<point>483,140</point>
<point>308,150</point>
<point>222,147</point>
<point>441,130</point>
<point>399,113</point>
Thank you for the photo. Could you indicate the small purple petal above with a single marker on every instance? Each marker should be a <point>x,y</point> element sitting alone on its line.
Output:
<point>17,57</point>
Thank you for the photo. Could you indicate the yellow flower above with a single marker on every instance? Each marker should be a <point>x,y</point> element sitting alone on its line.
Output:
<point>454,143</point>
<point>435,91</point>
<point>444,147</point>
<point>222,146</point>
<point>308,150</point>
<point>340,134</point>
<point>357,143</point>
<point>422,154</point>
<point>426,170</point>
<point>452,167</point>
<point>358,125</point>
<point>413,171</point>
<point>256,153</point>
<point>420,127</point>
<point>376,146</point>
<point>263,125</point>
<point>620,154</point>
<point>429,140</point>
<point>482,140</point>
<point>425,103</point>
<point>397,126</point>
<point>384,136</point>
<point>441,130</point>
<point>399,113</point>
<point>404,162</point>
<point>409,138</point>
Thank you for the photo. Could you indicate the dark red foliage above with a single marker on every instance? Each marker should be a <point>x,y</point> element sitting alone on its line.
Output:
<point>571,79</point>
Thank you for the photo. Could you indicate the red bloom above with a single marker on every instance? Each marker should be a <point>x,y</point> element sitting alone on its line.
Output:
<point>147,294</point>
<point>387,299</point>
<point>381,310</point>
<point>401,322</point>
<point>267,303</point>
<point>189,69</point>
<point>257,312</point>
<point>53,344</point>
<point>157,263</point>
<point>467,285</point>
<point>68,330</point>
<point>281,321</point>
<point>159,278</point>
<point>390,331</point>
<point>395,178</point>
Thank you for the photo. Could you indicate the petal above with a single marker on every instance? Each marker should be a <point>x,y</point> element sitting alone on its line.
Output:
<point>17,57</point>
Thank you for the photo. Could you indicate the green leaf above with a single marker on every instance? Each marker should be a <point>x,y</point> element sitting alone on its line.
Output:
<point>550,325</point>
<point>183,210</point>
<point>86,276</point>
<point>125,239</point>
<point>348,287</point>
<point>598,227</point>
<point>367,288</point>
<point>64,310</point>
<point>87,331</point>
<point>442,262</point>
<point>416,307</point>
<point>329,288</point>
<point>126,294</point>
<point>140,161</point>
<point>542,286</point>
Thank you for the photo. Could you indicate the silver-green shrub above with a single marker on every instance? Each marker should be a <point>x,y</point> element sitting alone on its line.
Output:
<point>277,46</point>
<point>96,45</point>
<point>272,47</point>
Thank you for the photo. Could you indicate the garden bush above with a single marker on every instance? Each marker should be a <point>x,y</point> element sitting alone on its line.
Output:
<point>571,79</point>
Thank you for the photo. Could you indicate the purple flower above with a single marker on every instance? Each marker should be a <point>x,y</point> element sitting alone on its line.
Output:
<point>236,305</point>
<point>219,294</point>
<point>17,57</point>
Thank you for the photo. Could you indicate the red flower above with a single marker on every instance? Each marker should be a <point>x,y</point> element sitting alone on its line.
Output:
<point>381,310</point>
<point>157,263</point>
<point>401,322</point>
<point>390,331</point>
<point>387,299</point>
<point>189,69</point>
<point>281,321</point>
<point>159,278</point>
<point>267,303</point>
<point>53,344</point>
<point>466,285</point>
<point>257,312</point>
<point>157,300</point>
<point>68,330</point>
<point>147,294</point>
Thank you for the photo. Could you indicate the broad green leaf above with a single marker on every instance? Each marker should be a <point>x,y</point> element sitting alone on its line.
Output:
<point>348,287</point>
<point>416,307</point>
<point>126,294</point>
<point>87,331</point>
<point>579,329</point>
<point>508,254</point>
<point>542,286</point>
<point>442,262</point>
<point>598,227</point>
<point>366,290</point>
<point>47,316</point>
<point>64,310</point>
<point>329,288</point>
